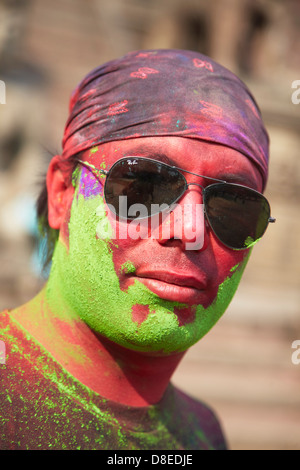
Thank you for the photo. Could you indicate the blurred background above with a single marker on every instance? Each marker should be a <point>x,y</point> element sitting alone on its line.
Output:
<point>244,367</point>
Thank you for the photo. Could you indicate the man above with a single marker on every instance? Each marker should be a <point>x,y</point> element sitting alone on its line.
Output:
<point>139,271</point>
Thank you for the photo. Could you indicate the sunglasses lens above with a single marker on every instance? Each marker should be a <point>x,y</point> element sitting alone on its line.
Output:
<point>238,216</point>
<point>144,182</point>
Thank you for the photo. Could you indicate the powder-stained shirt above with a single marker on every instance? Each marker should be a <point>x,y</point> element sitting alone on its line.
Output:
<point>44,407</point>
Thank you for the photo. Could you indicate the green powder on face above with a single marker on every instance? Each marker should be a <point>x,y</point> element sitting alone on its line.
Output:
<point>103,229</point>
<point>94,150</point>
<point>234,268</point>
<point>85,276</point>
<point>249,242</point>
<point>75,176</point>
<point>128,267</point>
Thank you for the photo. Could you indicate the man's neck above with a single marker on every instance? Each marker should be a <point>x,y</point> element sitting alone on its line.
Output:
<point>129,377</point>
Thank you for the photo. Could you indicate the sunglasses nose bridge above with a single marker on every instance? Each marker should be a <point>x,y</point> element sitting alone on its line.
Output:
<point>185,189</point>
<point>195,184</point>
<point>184,194</point>
<point>187,220</point>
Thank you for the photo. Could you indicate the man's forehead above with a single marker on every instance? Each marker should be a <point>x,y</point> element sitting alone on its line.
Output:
<point>190,154</point>
<point>162,145</point>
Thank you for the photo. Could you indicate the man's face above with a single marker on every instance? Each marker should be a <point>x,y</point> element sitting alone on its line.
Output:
<point>151,291</point>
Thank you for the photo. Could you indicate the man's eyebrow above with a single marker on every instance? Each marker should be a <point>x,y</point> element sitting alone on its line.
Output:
<point>237,178</point>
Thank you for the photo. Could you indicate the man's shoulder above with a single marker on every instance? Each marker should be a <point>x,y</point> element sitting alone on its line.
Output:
<point>21,355</point>
<point>7,335</point>
<point>202,418</point>
<point>4,319</point>
<point>12,346</point>
<point>9,329</point>
<point>3,326</point>
<point>11,335</point>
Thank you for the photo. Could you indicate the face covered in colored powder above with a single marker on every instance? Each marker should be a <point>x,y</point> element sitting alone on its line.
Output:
<point>149,291</point>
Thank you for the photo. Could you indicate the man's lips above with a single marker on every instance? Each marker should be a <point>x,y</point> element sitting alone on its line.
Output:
<point>176,287</point>
<point>179,279</point>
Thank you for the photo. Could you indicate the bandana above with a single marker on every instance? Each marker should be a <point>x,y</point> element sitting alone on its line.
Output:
<point>166,93</point>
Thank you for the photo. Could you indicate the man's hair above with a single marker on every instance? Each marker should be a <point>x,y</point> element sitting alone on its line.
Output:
<point>47,234</point>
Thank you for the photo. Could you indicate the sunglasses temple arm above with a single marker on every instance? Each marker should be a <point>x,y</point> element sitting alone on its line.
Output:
<point>195,174</point>
<point>92,167</point>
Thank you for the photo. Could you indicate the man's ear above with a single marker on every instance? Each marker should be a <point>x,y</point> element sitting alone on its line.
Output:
<point>59,192</point>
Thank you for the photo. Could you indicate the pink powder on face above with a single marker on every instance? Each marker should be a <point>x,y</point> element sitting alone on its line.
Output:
<point>140,313</point>
<point>185,315</point>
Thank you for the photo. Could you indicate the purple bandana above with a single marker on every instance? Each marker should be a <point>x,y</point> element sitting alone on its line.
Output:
<point>166,93</point>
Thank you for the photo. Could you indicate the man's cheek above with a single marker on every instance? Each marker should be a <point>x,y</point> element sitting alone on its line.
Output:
<point>120,232</point>
<point>89,186</point>
<point>64,230</point>
<point>128,231</point>
<point>105,228</point>
<point>229,261</point>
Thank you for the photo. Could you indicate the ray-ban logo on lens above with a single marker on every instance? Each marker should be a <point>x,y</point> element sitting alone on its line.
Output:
<point>2,352</point>
<point>2,93</point>
<point>162,222</point>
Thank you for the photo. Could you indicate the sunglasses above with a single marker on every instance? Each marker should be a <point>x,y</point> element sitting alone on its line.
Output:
<point>237,215</point>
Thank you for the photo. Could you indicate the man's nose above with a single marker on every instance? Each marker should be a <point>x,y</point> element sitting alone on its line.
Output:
<point>186,221</point>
